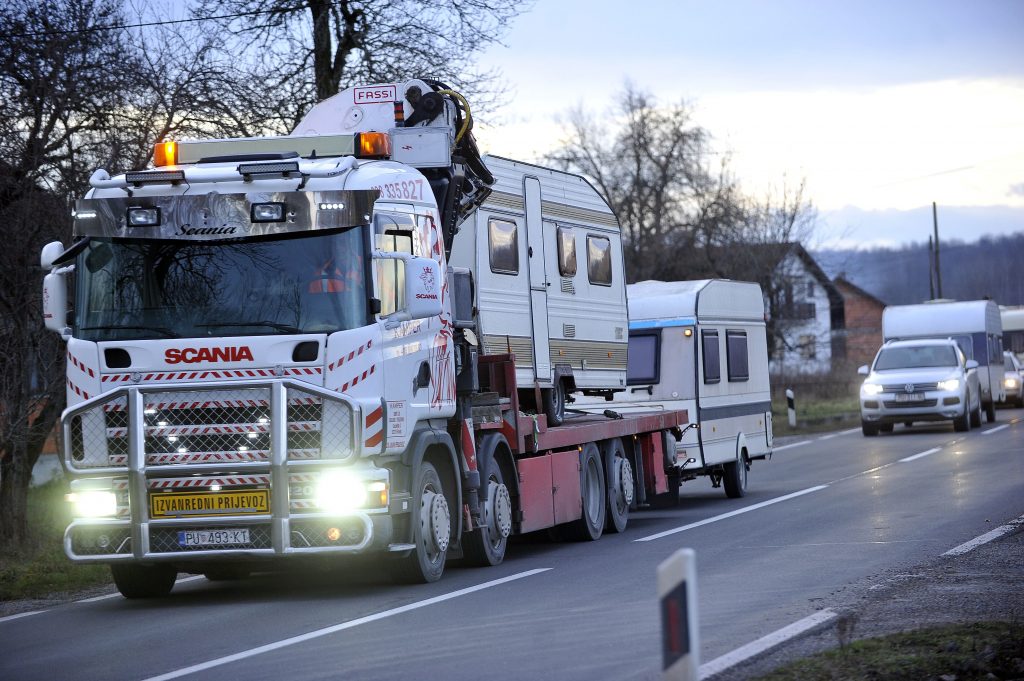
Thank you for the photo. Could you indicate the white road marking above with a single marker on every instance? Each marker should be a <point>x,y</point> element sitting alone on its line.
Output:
<point>985,538</point>
<point>730,514</point>
<point>339,627</point>
<point>20,615</point>
<point>790,446</point>
<point>918,456</point>
<point>720,664</point>
<point>996,429</point>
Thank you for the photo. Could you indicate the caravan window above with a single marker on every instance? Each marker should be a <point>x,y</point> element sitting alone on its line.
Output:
<point>599,260</point>
<point>642,358</point>
<point>566,252</point>
<point>503,240</point>
<point>712,359</point>
<point>736,355</point>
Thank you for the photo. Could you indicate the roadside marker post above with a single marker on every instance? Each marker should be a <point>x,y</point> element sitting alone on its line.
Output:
<point>791,407</point>
<point>677,594</point>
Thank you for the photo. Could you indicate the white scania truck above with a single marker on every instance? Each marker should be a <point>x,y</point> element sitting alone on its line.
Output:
<point>269,357</point>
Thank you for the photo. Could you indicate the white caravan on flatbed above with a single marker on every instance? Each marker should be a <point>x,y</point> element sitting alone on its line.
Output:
<point>550,287</point>
<point>974,324</point>
<point>702,346</point>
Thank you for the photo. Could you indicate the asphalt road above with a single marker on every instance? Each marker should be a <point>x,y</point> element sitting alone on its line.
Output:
<point>827,512</point>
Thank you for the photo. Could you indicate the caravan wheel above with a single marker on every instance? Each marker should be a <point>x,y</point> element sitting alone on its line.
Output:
<point>735,477</point>
<point>554,404</point>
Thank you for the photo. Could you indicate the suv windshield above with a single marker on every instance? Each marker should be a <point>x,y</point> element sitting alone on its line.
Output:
<point>916,357</point>
<point>135,289</point>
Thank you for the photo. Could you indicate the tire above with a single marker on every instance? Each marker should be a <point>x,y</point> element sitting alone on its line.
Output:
<point>908,424</point>
<point>976,415</point>
<point>990,411</point>
<point>621,488</point>
<point>886,427</point>
<point>735,477</point>
<point>962,423</point>
<point>431,531</point>
<point>869,429</point>
<point>1019,402</point>
<point>485,546</point>
<point>554,404</point>
<point>143,581</point>
<point>592,491</point>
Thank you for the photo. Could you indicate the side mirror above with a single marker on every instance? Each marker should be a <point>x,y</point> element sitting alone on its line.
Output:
<point>863,370</point>
<point>55,302</point>
<point>51,252</point>
<point>422,288</point>
<point>972,364</point>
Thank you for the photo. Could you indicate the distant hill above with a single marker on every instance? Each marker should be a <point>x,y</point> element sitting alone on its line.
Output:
<point>991,267</point>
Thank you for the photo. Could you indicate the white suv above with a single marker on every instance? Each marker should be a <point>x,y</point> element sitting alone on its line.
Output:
<point>920,380</point>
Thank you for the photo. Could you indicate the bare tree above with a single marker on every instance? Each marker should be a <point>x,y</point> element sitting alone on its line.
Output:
<point>309,50</point>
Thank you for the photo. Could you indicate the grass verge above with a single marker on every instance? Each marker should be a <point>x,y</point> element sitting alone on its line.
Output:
<point>816,416</point>
<point>39,567</point>
<point>982,650</point>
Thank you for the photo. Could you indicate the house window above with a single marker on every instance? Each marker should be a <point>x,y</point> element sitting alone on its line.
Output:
<point>810,288</point>
<point>736,355</point>
<point>503,242</point>
<point>566,252</point>
<point>599,260</point>
<point>712,359</point>
<point>642,359</point>
<point>807,347</point>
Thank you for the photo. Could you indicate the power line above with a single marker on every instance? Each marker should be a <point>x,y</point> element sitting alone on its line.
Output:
<point>116,27</point>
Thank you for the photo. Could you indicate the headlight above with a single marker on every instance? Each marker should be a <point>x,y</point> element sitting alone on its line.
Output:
<point>871,389</point>
<point>342,491</point>
<point>93,503</point>
<point>1010,383</point>
<point>949,385</point>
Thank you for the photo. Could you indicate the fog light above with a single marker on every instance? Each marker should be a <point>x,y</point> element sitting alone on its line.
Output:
<point>103,541</point>
<point>93,503</point>
<point>333,534</point>
<point>268,212</point>
<point>143,217</point>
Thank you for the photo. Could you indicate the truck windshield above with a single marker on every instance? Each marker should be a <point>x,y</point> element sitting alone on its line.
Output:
<point>916,357</point>
<point>138,289</point>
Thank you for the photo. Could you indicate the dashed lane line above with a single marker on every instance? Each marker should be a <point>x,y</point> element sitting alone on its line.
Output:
<point>730,514</point>
<point>791,445</point>
<point>985,538</point>
<point>921,454</point>
<point>765,643</point>
<point>326,631</point>
<point>996,429</point>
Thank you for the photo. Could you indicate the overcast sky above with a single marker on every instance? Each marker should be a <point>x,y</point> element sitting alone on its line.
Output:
<point>883,107</point>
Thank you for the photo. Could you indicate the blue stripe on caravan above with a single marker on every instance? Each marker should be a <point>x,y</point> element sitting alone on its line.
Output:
<point>662,323</point>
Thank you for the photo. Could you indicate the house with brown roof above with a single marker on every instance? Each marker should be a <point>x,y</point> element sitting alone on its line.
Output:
<point>863,314</point>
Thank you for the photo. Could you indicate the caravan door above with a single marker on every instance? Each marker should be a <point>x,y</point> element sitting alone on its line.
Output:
<point>538,279</point>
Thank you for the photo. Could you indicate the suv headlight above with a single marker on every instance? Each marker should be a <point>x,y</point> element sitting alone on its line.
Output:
<point>1010,382</point>
<point>949,385</point>
<point>871,389</point>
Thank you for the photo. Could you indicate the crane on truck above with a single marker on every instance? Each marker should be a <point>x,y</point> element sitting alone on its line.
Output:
<point>270,357</point>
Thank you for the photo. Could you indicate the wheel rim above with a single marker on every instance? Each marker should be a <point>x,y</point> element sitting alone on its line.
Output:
<point>558,400</point>
<point>624,490</point>
<point>742,463</point>
<point>435,524</point>
<point>499,513</point>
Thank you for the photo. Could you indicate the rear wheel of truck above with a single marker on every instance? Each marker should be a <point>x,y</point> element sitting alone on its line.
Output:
<point>485,546</point>
<point>620,485</point>
<point>735,477</point>
<point>431,530</point>
<point>143,581</point>
<point>591,525</point>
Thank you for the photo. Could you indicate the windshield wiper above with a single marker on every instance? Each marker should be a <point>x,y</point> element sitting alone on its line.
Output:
<point>166,333</point>
<point>288,328</point>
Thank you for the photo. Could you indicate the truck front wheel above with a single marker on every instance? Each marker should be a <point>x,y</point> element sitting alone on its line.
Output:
<point>431,523</point>
<point>143,581</point>
<point>485,546</point>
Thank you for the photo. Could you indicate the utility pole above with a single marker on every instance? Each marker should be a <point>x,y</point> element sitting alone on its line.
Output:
<point>931,268</point>
<point>938,270</point>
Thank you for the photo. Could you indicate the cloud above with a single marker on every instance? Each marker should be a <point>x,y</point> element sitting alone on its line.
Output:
<point>1016,189</point>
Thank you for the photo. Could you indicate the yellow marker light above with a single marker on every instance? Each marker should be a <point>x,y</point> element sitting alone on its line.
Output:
<point>378,493</point>
<point>93,503</point>
<point>373,145</point>
<point>165,153</point>
<point>687,332</point>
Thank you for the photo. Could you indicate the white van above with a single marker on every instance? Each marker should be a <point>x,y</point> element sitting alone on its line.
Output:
<point>546,252</point>
<point>974,324</point>
<point>702,346</point>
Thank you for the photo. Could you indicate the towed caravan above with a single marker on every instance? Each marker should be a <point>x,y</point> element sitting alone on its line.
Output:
<point>702,346</point>
<point>550,287</point>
